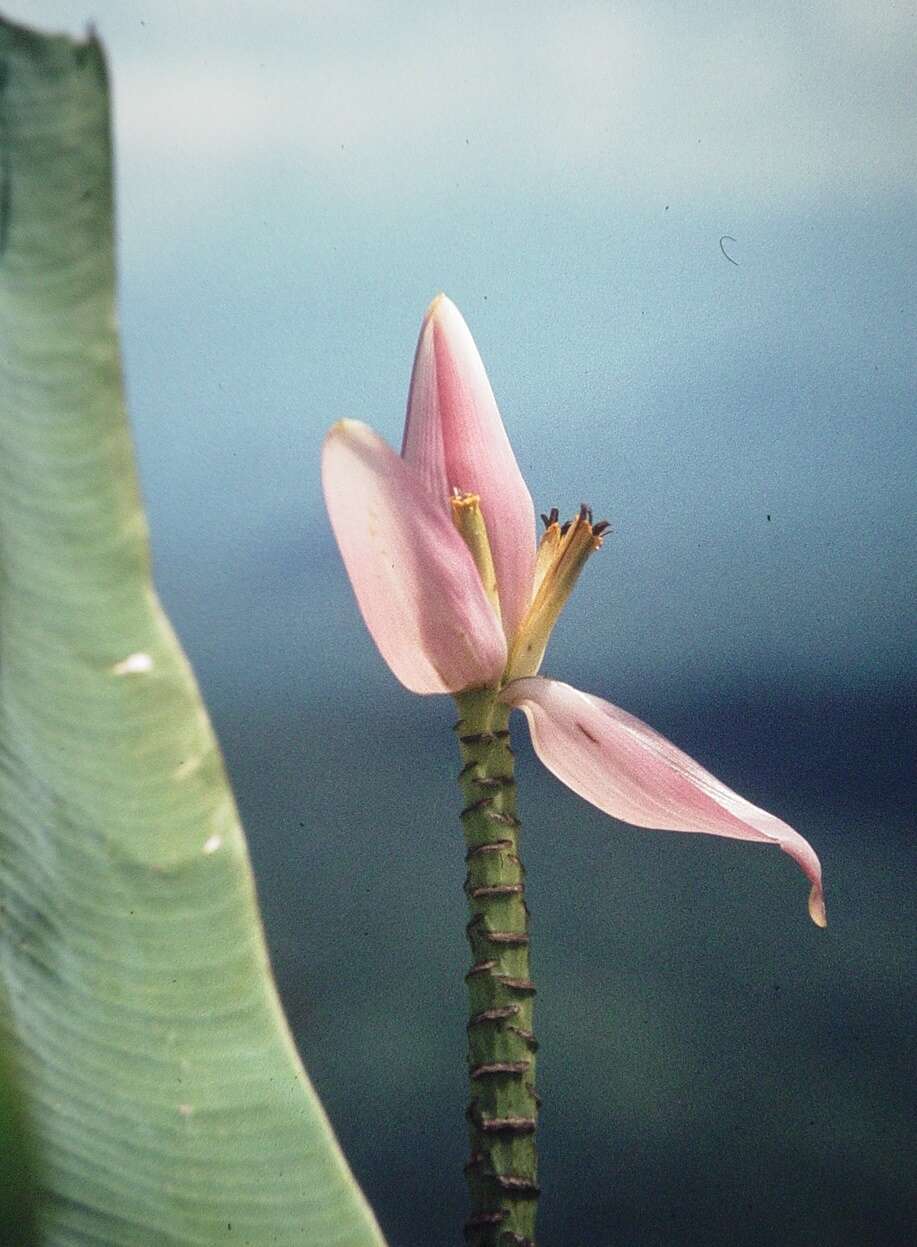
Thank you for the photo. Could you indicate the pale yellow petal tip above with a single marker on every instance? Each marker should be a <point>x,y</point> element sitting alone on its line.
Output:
<point>437,306</point>
<point>345,428</point>
<point>817,907</point>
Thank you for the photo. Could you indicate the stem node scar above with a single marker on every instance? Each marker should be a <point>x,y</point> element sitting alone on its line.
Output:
<point>502,1116</point>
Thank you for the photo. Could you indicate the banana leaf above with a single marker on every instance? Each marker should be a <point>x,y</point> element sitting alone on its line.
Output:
<point>168,1102</point>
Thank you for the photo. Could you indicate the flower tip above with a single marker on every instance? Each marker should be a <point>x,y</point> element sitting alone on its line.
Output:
<point>817,906</point>
<point>437,304</point>
<point>341,427</point>
<point>350,433</point>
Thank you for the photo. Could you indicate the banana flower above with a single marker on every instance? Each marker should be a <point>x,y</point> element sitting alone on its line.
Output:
<point>439,544</point>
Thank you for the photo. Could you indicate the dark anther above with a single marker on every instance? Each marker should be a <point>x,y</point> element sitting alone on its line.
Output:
<point>602,527</point>
<point>551,518</point>
<point>565,527</point>
<point>585,513</point>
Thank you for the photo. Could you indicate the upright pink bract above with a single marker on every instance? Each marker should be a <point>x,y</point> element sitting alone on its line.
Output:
<point>455,439</point>
<point>414,580</point>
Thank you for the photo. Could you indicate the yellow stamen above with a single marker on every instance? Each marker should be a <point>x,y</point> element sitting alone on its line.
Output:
<point>561,558</point>
<point>547,553</point>
<point>468,519</point>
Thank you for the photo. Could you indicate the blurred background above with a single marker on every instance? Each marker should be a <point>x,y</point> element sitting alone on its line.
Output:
<point>295,181</point>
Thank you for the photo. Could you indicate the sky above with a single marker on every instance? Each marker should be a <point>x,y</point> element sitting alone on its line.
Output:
<point>683,238</point>
<point>297,180</point>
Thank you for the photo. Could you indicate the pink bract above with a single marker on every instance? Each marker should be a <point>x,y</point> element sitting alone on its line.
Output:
<point>415,581</point>
<point>623,767</point>
<point>455,439</point>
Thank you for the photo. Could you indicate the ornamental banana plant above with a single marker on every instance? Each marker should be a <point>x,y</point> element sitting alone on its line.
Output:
<point>439,544</point>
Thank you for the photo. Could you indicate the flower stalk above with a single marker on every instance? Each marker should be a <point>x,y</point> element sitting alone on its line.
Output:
<point>503,1111</point>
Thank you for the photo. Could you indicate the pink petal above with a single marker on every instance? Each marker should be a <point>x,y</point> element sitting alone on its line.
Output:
<point>454,438</point>
<point>415,581</point>
<point>631,772</point>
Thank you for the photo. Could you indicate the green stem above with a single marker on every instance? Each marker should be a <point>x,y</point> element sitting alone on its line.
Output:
<point>502,1170</point>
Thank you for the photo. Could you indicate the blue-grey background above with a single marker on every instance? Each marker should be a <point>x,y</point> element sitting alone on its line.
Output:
<point>295,181</point>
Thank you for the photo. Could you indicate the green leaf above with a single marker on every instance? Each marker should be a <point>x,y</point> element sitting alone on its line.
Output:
<point>18,1184</point>
<point>169,1103</point>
